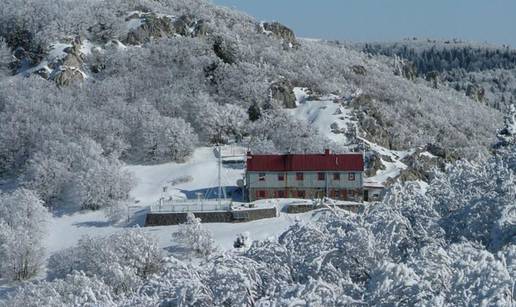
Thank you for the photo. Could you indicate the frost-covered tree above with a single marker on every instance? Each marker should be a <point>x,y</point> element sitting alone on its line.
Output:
<point>23,221</point>
<point>507,135</point>
<point>193,235</point>
<point>234,280</point>
<point>121,260</point>
<point>179,284</point>
<point>75,289</point>
<point>5,58</point>
<point>103,185</point>
<point>476,202</point>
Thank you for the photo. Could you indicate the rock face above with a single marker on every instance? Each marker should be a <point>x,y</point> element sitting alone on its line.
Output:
<point>282,32</point>
<point>440,152</point>
<point>421,165</point>
<point>68,70</point>
<point>67,76</point>
<point>152,27</point>
<point>371,122</point>
<point>282,92</point>
<point>405,68</point>
<point>433,77</point>
<point>476,92</point>
<point>373,163</point>
<point>359,70</point>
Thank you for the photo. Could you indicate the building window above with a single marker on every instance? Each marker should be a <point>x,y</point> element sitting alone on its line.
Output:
<point>351,176</point>
<point>335,194</point>
<point>281,177</point>
<point>299,176</point>
<point>336,176</point>
<point>301,194</point>
<point>321,176</point>
<point>261,176</point>
<point>281,194</point>
<point>260,194</point>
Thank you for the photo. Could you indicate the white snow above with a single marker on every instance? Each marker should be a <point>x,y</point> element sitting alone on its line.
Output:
<point>321,114</point>
<point>324,112</point>
<point>392,169</point>
<point>202,168</point>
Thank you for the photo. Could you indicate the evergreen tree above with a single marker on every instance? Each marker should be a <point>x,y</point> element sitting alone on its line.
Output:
<point>254,112</point>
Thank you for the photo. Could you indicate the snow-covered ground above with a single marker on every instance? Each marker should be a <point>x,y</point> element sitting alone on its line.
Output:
<point>65,231</point>
<point>182,180</point>
<point>201,171</point>
<point>329,117</point>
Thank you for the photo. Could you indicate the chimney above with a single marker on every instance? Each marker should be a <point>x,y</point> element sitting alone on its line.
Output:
<point>327,152</point>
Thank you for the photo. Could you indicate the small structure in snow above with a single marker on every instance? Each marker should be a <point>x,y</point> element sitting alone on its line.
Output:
<point>373,191</point>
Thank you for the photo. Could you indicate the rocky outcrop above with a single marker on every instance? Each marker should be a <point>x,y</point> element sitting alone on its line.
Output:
<point>225,50</point>
<point>421,165</point>
<point>359,70</point>
<point>405,68</point>
<point>433,77</point>
<point>68,69</point>
<point>282,93</point>
<point>371,122</point>
<point>475,92</point>
<point>373,163</point>
<point>282,32</point>
<point>186,25</point>
<point>67,76</point>
<point>152,26</point>
<point>440,152</point>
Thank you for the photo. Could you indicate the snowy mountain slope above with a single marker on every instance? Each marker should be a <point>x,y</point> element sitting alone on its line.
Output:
<point>334,118</point>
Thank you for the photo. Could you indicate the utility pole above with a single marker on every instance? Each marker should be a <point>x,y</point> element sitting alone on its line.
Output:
<point>222,191</point>
<point>219,175</point>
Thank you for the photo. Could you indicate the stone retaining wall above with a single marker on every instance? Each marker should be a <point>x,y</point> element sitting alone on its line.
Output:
<point>309,207</point>
<point>162,219</point>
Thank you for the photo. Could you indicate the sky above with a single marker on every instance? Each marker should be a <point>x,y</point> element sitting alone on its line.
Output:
<point>492,21</point>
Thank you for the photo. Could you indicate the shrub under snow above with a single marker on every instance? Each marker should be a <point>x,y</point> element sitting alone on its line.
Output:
<point>193,235</point>
<point>22,228</point>
<point>120,260</point>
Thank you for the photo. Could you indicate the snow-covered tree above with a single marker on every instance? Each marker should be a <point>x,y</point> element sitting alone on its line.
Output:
<point>121,260</point>
<point>23,221</point>
<point>103,185</point>
<point>507,135</point>
<point>234,280</point>
<point>179,284</point>
<point>75,289</point>
<point>193,235</point>
<point>5,58</point>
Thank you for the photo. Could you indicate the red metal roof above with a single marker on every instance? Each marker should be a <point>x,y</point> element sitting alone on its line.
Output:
<point>306,162</point>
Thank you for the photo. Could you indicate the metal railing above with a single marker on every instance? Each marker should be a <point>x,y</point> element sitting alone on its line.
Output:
<point>194,205</point>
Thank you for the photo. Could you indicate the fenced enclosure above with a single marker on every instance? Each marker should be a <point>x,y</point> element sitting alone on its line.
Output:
<point>194,205</point>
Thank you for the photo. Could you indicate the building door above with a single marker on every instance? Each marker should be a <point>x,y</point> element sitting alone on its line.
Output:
<point>366,195</point>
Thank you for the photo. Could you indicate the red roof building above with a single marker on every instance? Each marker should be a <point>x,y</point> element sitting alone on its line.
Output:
<point>338,176</point>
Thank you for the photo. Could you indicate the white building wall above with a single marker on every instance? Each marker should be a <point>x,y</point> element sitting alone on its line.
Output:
<point>310,180</point>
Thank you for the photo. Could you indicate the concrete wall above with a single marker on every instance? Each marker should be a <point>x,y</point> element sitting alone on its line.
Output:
<point>306,208</point>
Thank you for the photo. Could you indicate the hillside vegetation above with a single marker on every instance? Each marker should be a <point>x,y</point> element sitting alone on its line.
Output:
<point>89,86</point>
